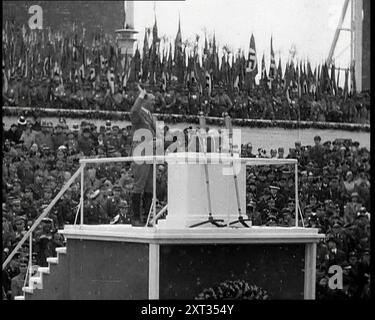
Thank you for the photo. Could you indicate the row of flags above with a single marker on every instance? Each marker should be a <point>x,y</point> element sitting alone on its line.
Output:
<point>71,57</point>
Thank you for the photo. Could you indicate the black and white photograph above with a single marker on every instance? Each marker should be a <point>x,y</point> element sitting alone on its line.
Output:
<point>206,151</point>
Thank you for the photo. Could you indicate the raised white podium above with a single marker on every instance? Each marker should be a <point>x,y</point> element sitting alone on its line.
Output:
<point>172,259</point>
<point>188,195</point>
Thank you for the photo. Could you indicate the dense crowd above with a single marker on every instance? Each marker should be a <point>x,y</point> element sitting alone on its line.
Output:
<point>334,194</point>
<point>64,69</point>
<point>39,158</point>
<point>189,100</point>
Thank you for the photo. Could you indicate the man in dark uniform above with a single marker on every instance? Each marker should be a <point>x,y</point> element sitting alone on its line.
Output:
<point>93,212</point>
<point>169,98</point>
<point>111,204</point>
<point>222,102</point>
<point>239,109</point>
<point>160,103</point>
<point>118,98</point>
<point>66,210</point>
<point>77,98</point>
<point>87,95</point>
<point>28,204</point>
<point>13,134</point>
<point>98,99</point>
<point>279,199</point>
<point>142,118</point>
<point>123,216</point>
<point>194,100</point>
<point>18,281</point>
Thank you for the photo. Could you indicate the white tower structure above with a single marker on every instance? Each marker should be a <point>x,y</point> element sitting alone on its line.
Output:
<point>126,37</point>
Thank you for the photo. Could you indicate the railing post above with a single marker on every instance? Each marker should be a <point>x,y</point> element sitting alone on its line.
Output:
<point>154,192</point>
<point>296,191</point>
<point>30,255</point>
<point>82,182</point>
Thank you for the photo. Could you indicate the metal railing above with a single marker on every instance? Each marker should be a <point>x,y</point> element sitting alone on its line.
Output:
<point>80,208</point>
<point>36,223</point>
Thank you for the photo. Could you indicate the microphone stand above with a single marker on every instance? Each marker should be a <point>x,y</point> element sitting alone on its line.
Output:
<point>216,222</point>
<point>241,219</point>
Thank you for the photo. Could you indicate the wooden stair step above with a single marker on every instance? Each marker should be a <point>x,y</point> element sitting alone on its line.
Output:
<point>61,250</point>
<point>53,260</point>
<point>28,290</point>
<point>44,270</point>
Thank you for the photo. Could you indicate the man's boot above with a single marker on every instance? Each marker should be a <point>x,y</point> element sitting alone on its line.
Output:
<point>136,210</point>
<point>147,200</point>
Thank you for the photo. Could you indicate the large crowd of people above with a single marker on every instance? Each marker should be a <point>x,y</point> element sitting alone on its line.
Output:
<point>63,69</point>
<point>188,100</point>
<point>39,158</point>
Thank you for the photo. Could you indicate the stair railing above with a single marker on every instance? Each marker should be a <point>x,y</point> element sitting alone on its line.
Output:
<point>36,223</point>
<point>80,171</point>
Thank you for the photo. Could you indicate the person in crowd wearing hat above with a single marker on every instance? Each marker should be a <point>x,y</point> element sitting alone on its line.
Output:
<point>13,134</point>
<point>15,208</point>
<point>8,233</point>
<point>21,122</point>
<point>28,135</point>
<point>349,183</point>
<point>280,153</point>
<point>111,204</point>
<point>91,180</point>
<point>221,101</point>
<point>18,281</point>
<point>71,144</point>
<point>279,200</point>
<point>271,220</point>
<point>85,142</point>
<point>351,208</point>
<point>16,188</point>
<point>47,195</point>
<point>160,103</point>
<point>36,121</point>
<point>93,208</point>
<point>248,150</point>
<point>335,255</point>
<point>125,142</point>
<point>38,185</point>
<point>20,227</point>
<point>66,209</point>
<point>59,137</point>
<point>316,152</point>
<point>45,246</point>
<point>115,141</point>
<point>123,216</point>
<point>28,204</point>
<point>25,172</point>
<point>194,99</point>
<point>44,137</point>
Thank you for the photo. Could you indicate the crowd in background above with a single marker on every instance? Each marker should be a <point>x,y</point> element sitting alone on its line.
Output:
<point>188,100</point>
<point>334,194</point>
<point>67,69</point>
<point>39,158</point>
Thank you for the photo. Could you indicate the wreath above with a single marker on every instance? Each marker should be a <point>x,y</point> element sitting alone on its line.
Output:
<point>233,290</point>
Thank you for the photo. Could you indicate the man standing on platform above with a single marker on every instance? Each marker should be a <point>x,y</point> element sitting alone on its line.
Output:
<point>141,118</point>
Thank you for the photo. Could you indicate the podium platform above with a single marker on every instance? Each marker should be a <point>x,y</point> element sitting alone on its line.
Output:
<point>122,262</point>
<point>172,260</point>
